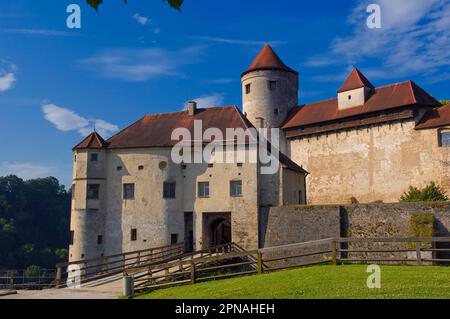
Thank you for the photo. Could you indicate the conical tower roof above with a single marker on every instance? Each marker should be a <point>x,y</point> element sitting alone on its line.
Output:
<point>267,59</point>
<point>92,141</point>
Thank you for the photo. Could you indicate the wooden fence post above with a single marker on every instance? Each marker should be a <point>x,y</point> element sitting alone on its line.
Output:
<point>260,264</point>
<point>418,253</point>
<point>58,276</point>
<point>192,273</point>
<point>105,264</point>
<point>334,253</point>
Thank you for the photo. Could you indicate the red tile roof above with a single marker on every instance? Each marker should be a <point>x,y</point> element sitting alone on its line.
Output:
<point>384,98</point>
<point>156,130</point>
<point>92,141</point>
<point>435,118</point>
<point>355,80</point>
<point>267,59</point>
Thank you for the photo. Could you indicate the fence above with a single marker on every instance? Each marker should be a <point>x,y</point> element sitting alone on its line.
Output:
<point>13,279</point>
<point>238,262</point>
<point>97,268</point>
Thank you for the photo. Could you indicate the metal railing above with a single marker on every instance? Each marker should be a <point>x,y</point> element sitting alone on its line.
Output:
<point>13,279</point>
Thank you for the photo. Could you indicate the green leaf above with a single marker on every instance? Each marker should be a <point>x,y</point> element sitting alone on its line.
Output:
<point>95,3</point>
<point>176,4</point>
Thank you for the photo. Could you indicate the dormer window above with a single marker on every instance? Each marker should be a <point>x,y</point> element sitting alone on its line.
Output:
<point>248,88</point>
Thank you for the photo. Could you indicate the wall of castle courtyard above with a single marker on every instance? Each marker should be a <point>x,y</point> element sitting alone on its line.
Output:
<point>378,163</point>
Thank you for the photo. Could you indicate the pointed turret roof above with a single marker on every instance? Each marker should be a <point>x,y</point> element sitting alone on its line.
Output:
<point>355,80</point>
<point>267,59</point>
<point>92,141</point>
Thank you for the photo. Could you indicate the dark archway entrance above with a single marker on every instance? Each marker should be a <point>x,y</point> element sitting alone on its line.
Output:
<point>216,229</point>
<point>220,232</point>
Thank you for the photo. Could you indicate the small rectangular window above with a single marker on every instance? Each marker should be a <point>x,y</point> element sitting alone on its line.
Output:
<point>300,197</point>
<point>93,191</point>
<point>173,239</point>
<point>236,188</point>
<point>133,234</point>
<point>94,157</point>
<point>272,85</point>
<point>169,190</point>
<point>444,138</point>
<point>128,191</point>
<point>349,97</point>
<point>119,168</point>
<point>99,239</point>
<point>72,236</point>
<point>73,191</point>
<point>248,88</point>
<point>141,167</point>
<point>203,189</point>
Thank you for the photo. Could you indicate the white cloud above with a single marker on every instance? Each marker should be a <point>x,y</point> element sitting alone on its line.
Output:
<point>142,20</point>
<point>27,170</point>
<point>137,65</point>
<point>221,81</point>
<point>7,75</point>
<point>67,120</point>
<point>204,101</point>
<point>239,41</point>
<point>43,32</point>
<point>414,39</point>
<point>7,81</point>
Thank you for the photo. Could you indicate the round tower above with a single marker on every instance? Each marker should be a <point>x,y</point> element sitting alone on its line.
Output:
<point>88,199</point>
<point>269,90</point>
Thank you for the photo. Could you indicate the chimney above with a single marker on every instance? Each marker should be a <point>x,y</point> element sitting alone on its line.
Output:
<point>192,108</point>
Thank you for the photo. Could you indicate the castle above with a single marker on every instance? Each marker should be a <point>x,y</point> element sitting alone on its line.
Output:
<point>366,144</point>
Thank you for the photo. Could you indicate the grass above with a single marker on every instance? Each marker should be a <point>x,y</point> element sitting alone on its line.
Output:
<point>321,282</point>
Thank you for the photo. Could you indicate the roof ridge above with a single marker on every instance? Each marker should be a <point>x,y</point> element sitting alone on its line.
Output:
<point>178,112</point>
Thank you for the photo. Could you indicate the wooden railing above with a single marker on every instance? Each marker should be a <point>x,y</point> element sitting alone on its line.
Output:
<point>188,268</point>
<point>92,269</point>
<point>231,260</point>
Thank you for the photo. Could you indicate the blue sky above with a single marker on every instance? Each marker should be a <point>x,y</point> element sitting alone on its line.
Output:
<point>141,58</point>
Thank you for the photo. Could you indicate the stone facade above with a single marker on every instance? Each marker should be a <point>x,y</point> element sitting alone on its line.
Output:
<point>293,224</point>
<point>375,163</point>
<point>158,221</point>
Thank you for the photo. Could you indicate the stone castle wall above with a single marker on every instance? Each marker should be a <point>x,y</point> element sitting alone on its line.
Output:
<point>378,163</point>
<point>294,224</point>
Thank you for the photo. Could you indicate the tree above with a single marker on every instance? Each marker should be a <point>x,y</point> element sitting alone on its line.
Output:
<point>445,102</point>
<point>430,193</point>
<point>34,222</point>
<point>176,4</point>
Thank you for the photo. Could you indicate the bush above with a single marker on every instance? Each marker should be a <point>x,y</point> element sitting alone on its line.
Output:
<point>430,193</point>
<point>32,271</point>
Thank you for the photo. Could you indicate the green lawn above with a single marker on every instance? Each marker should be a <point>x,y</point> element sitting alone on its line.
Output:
<point>323,282</point>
